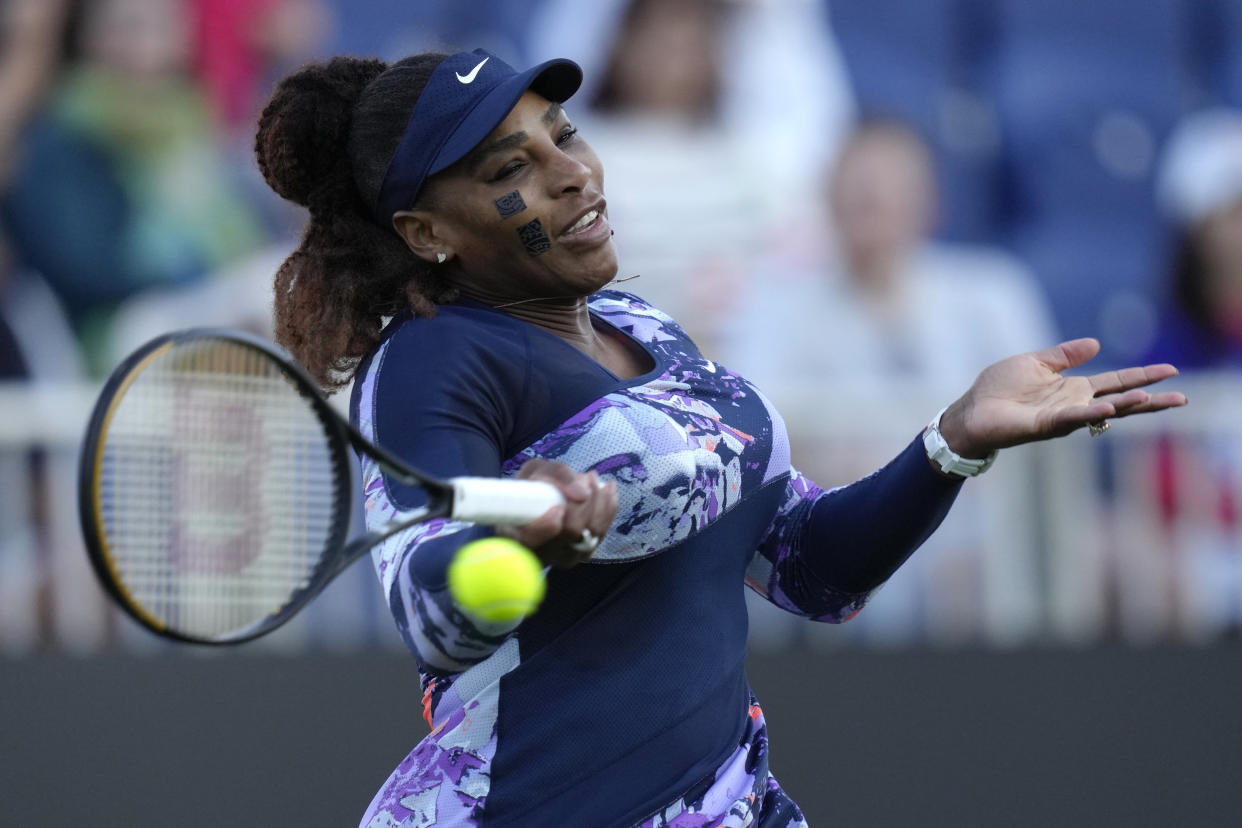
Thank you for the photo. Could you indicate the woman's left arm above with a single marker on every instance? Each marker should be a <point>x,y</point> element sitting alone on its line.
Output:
<point>828,551</point>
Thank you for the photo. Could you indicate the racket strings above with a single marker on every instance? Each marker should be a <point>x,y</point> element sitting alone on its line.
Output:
<point>218,488</point>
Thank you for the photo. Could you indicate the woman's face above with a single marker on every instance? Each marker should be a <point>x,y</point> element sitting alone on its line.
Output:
<point>523,215</point>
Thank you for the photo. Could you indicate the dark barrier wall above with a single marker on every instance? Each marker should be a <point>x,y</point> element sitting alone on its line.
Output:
<point>1099,738</point>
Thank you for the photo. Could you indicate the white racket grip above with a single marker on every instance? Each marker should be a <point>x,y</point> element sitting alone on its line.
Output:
<point>499,502</point>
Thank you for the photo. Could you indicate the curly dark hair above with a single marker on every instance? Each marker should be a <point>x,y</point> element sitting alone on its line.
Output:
<point>324,141</point>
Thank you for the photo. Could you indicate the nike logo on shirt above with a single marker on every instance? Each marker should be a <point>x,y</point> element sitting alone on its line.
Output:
<point>470,77</point>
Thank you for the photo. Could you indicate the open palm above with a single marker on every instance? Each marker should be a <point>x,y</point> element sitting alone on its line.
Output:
<point>1026,398</point>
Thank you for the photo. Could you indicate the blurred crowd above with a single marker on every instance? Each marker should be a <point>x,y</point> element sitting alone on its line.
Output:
<point>856,203</point>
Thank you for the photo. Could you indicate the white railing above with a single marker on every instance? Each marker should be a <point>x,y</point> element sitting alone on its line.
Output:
<point>49,597</point>
<point>1133,535</point>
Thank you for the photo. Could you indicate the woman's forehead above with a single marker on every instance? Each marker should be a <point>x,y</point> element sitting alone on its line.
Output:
<point>530,106</point>
<point>528,114</point>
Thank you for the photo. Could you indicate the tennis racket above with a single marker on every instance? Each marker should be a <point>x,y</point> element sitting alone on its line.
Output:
<point>218,492</point>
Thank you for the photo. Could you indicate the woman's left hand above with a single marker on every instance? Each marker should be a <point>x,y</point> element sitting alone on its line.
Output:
<point>1025,398</point>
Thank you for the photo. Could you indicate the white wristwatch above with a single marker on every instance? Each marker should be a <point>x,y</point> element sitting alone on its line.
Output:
<point>945,458</point>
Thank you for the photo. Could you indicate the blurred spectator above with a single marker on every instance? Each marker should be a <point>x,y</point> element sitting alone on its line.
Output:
<point>1183,576</point>
<point>241,45</point>
<point>119,187</point>
<point>240,48</point>
<point>889,304</point>
<point>31,32</point>
<point>706,115</point>
<point>31,35</point>
<point>1201,188</point>
<point>894,323</point>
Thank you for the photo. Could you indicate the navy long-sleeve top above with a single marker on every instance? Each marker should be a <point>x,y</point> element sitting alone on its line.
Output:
<point>627,686</point>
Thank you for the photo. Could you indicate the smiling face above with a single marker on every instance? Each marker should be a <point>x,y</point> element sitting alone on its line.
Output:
<point>522,216</point>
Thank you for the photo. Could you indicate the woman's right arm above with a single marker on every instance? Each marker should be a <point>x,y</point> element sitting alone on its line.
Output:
<point>444,405</point>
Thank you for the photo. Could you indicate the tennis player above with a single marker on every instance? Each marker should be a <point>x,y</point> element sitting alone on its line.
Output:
<point>457,266</point>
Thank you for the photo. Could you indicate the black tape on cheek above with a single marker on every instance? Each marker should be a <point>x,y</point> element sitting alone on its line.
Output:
<point>510,204</point>
<point>533,238</point>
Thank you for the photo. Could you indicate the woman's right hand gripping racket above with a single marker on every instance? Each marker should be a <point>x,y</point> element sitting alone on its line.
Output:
<point>218,491</point>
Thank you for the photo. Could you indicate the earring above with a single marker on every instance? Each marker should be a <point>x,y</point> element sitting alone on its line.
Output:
<point>441,258</point>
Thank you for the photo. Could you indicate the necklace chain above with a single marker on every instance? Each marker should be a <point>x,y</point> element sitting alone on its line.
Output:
<point>546,298</point>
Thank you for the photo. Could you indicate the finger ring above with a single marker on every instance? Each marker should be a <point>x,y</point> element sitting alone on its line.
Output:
<point>587,544</point>
<point>1098,427</point>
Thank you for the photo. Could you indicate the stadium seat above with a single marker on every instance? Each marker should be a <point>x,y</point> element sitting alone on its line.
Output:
<point>1101,278</point>
<point>1229,69</point>
<point>914,61</point>
<point>1086,94</point>
<point>392,29</point>
<point>899,54</point>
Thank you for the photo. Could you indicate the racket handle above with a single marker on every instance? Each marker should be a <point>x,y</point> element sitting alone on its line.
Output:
<point>499,502</point>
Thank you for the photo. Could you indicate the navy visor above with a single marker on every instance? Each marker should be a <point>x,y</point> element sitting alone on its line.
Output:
<point>467,96</point>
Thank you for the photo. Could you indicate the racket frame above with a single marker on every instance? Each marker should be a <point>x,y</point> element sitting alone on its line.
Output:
<point>346,541</point>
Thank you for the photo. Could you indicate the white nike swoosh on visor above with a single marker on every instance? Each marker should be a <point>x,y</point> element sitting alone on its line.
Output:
<point>470,77</point>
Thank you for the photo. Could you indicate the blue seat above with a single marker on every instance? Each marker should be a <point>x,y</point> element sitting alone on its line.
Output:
<point>1229,69</point>
<point>913,61</point>
<point>1086,94</point>
<point>1154,27</point>
<point>393,29</point>
<point>899,54</point>
<point>1085,265</point>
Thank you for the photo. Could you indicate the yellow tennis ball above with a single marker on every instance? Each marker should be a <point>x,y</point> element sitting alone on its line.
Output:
<point>496,580</point>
